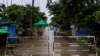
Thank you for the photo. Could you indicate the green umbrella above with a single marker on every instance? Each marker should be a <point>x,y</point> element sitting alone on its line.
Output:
<point>41,23</point>
<point>3,31</point>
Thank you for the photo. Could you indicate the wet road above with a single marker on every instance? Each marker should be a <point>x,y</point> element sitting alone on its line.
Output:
<point>48,45</point>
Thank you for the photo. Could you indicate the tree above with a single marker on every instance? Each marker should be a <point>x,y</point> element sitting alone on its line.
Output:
<point>22,15</point>
<point>2,7</point>
<point>83,13</point>
<point>73,11</point>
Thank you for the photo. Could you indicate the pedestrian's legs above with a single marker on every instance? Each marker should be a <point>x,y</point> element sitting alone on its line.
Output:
<point>51,47</point>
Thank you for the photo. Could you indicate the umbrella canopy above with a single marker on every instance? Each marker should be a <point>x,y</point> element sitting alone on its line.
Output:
<point>41,23</point>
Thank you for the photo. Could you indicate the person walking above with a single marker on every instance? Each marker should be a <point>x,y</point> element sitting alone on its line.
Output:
<point>55,30</point>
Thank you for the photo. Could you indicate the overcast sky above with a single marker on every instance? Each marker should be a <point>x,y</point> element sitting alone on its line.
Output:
<point>40,3</point>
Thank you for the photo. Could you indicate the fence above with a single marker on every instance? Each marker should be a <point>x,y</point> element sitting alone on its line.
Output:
<point>38,45</point>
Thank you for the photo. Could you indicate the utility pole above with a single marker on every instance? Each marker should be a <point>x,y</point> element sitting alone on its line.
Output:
<point>33,3</point>
<point>32,15</point>
<point>11,2</point>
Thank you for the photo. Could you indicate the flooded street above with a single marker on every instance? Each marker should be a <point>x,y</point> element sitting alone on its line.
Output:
<point>49,45</point>
<point>49,27</point>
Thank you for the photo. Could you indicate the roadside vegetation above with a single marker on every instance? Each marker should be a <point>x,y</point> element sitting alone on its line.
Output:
<point>23,16</point>
<point>81,13</point>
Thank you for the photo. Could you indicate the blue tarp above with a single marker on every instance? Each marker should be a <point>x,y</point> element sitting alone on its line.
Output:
<point>12,33</point>
<point>83,32</point>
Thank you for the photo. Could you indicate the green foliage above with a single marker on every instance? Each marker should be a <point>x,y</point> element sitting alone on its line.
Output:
<point>97,15</point>
<point>82,41</point>
<point>2,7</point>
<point>69,33</point>
<point>79,12</point>
<point>22,15</point>
<point>17,12</point>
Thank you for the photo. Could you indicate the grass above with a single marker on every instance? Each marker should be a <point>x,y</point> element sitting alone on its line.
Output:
<point>2,52</point>
<point>69,33</point>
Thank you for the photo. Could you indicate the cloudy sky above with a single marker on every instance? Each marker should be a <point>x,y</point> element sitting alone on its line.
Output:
<point>40,3</point>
